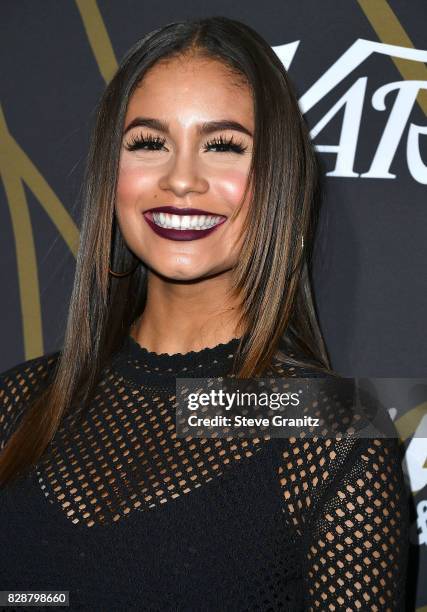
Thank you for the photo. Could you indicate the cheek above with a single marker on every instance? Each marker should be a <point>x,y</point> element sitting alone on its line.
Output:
<point>134,185</point>
<point>231,186</point>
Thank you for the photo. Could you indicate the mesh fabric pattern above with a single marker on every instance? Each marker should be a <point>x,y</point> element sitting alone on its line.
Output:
<point>136,518</point>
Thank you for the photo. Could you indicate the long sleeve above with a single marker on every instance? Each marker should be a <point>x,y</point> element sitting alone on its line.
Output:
<point>347,500</point>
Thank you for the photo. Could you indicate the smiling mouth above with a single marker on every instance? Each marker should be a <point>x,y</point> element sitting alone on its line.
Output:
<point>175,223</point>
<point>170,217</point>
<point>184,222</point>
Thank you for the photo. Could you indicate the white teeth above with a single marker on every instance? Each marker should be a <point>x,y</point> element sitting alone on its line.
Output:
<point>182,222</point>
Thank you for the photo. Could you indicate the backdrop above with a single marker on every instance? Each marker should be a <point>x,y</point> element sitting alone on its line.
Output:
<point>359,70</point>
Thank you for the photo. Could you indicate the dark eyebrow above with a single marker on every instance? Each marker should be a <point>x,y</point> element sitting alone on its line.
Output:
<point>203,129</point>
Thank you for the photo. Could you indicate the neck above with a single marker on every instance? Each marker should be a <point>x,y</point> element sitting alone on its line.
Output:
<point>181,317</point>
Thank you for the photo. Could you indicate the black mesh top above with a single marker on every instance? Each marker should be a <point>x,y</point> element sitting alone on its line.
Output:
<point>127,516</point>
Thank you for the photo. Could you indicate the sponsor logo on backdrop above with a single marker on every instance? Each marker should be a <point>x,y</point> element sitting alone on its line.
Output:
<point>395,101</point>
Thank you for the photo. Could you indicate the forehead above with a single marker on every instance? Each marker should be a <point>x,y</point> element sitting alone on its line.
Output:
<point>190,88</point>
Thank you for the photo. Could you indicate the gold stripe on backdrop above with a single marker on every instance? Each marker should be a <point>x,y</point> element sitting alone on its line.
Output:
<point>17,169</point>
<point>390,31</point>
<point>99,39</point>
<point>407,424</point>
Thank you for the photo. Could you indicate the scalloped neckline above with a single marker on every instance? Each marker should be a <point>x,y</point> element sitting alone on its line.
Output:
<point>166,361</point>
<point>207,348</point>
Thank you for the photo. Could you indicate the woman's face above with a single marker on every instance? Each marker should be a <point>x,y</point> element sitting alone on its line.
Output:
<point>185,161</point>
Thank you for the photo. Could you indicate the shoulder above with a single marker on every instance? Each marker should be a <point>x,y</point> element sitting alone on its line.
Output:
<point>19,385</point>
<point>21,379</point>
<point>312,470</point>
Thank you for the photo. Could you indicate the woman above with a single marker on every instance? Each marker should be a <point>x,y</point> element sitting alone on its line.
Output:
<point>199,209</point>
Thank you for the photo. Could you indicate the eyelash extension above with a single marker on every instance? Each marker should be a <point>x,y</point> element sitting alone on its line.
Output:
<point>237,147</point>
<point>138,142</point>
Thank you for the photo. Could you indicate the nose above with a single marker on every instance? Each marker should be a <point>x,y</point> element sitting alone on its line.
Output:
<point>184,175</point>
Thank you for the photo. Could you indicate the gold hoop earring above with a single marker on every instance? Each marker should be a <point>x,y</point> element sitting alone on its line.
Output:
<point>122,274</point>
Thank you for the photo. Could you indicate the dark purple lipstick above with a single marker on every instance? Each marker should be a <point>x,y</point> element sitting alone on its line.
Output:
<point>180,234</point>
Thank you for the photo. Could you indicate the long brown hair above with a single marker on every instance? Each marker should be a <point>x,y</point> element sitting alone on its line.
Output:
<point>272,275</point>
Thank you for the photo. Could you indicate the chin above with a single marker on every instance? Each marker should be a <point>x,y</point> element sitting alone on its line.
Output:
<point>183,273</point>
